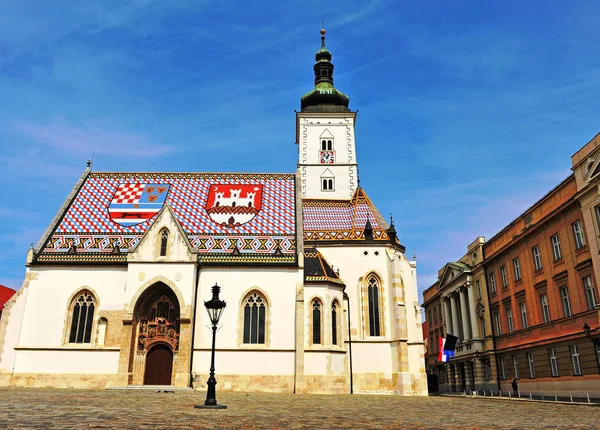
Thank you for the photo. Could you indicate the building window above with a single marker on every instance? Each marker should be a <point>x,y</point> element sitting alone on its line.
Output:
<point>478,287</point>
<point>598,352</point>
<point>429,317</point>
<point>373,293</point>
<point>590,293</point>
<point>597,210</point>
<point>578,233</point>
<point>531,365</point>
<point>503,276</point>
<point>524,315</point>
<point>498,325</point>
<point>503,367</point>
<point>566,302</point>
<point>326,145</point>
<point>537,257</point>
<point>164,240</point>
<point>316,321</point>
<point>254,318</point>
<point>509,319</point>
<point>553,362</point>
<point>334,324</point>
<point>556,251</point>
<point>516,366</point>
<point>545,308</point>
<point>575,360</point>
<point>486,369</point>
<point>82,319</point>
<point>327,184</point>
<point>483,329</point>
<point>492,283</point>
<point>517,267</point>
<point>435,316</point>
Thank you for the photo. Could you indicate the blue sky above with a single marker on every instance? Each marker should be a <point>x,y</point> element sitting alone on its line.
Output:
<point>469,110</point>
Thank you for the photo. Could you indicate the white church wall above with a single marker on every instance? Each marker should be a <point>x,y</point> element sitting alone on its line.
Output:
<point>180,277</point>
<point>50,293</point>
<point>245,362</point>
<point>11,321</point>
<point>354,266</point>
<point>371,357</point>
<point>67,362</point>
<point>279,286</point>
<point>315,362</point>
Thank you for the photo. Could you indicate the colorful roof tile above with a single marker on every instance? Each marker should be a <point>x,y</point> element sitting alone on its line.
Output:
<point>326,220</point>
<point>317,269</point>
<point>225,216</point>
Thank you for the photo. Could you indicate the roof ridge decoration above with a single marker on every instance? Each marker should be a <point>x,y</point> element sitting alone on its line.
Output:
<point>267,232</point>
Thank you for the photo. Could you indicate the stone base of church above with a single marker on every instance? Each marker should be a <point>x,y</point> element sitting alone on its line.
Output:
<point>57,380</point>
<point>403,384</point>
<point>248,383</point>
<point>327,384</point>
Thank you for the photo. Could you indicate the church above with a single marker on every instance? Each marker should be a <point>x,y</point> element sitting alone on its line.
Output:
<point>320,296</point>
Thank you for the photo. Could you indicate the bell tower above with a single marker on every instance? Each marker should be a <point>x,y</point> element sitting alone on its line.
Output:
<point>325,136</point>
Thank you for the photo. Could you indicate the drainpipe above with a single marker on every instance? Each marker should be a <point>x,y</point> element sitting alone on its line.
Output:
<point>194,324</point>
<point>349,344</point>
<point>489,310</point>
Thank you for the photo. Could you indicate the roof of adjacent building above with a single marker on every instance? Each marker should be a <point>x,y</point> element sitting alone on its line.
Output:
<point>5,294</point>
<point>317,269</point>
<point>342,220</point>
<point>222,214</point>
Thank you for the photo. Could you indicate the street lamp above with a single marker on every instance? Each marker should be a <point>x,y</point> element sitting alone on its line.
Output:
<point>588,332</point>
<point>214,307</point>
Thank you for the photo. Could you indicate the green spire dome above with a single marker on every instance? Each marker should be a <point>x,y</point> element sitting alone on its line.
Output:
<point>324,97</point>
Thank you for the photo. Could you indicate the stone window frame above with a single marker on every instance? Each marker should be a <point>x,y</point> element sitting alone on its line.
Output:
<point>69,318</point>
<point>554,371</point>
<point>365,305</point>
<point>578,235</point>
<point>241,306</point>
<point>537,258</point>
<point>338,317</point>
<point>311,323</point>
<point>168,245</point>
<point>575,360</point>
<point>504,277</point>
<point>531,363</point>
<point>589,292</point>
<point>556,248</point>
<point>565,299</point>
<point>517,269</point>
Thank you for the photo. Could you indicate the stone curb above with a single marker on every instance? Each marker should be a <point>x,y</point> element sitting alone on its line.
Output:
<point>513,399</point>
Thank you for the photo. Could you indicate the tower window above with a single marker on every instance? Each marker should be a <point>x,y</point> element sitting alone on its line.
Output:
<point>329,145</point>
<point>323,145</point>
<point>327,184</point>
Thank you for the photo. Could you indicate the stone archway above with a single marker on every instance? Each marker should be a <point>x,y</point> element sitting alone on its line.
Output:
<point>155,336</point>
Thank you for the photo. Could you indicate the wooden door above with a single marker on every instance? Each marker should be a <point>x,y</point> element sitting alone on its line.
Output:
<point>159,366</point>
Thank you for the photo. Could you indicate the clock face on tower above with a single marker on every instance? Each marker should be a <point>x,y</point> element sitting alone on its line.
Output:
<point>326,157</point>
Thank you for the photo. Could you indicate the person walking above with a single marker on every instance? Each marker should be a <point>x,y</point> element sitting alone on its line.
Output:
<point>515,386</point>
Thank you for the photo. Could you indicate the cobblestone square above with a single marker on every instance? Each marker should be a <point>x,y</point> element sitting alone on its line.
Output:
<point>48,408</point>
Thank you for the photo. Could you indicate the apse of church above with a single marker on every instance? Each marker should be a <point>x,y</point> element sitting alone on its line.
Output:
<point>320,295</point>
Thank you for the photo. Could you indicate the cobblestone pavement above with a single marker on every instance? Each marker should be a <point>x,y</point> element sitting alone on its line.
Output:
<point>45,408</point>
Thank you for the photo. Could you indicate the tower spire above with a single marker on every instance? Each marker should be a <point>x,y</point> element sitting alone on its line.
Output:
<point>324,93</point>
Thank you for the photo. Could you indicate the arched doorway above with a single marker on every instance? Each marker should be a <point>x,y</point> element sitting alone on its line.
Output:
<point>156,335</point>
<point>159,365</point>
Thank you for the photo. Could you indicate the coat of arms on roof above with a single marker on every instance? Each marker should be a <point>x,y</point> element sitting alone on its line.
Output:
<point>134,203</point>
<point>231,205</point>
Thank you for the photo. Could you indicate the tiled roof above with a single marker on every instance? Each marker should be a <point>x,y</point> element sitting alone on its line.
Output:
<point>317,269</point>
<point>5,294</point>
<point>222,214</point>
<point>342,219</point>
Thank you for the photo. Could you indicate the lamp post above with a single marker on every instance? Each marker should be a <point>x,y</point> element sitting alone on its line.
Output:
<point>215,308</point>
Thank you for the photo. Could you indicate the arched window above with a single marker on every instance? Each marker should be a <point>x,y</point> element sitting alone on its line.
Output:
<point>254,318</point>
<point>164,240</point>
<point>327,184</point>
<point>329,145</point>
<point>316,321</point>
<point>323,145</point>
<point>82,319</point>
<point>373,294</point>
<point>334,323</point>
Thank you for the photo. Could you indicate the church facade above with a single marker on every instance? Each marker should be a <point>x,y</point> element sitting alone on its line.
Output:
<point>320,295</point>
